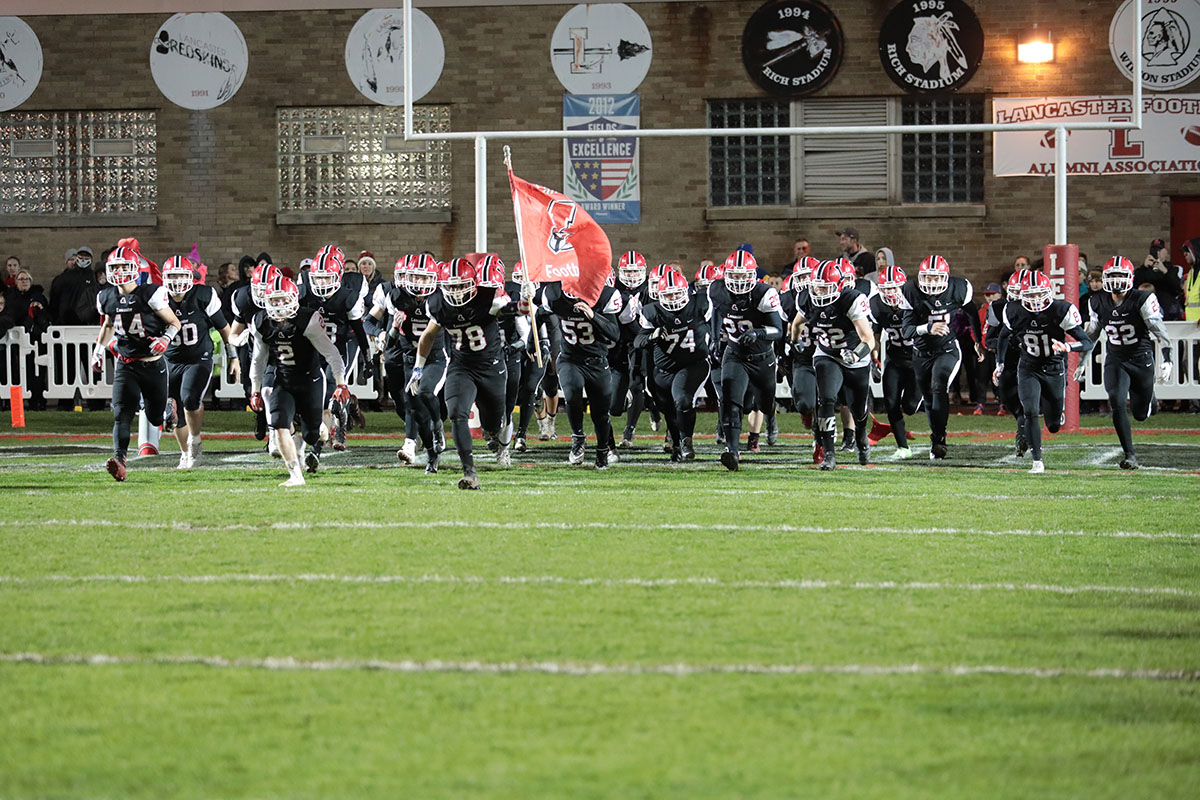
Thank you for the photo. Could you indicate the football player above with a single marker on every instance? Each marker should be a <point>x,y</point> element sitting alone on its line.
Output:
<point>624,359</point>
<point>931,301</point>
<point>587,331</point>
<point>676,327</point>
<point>248,301</point>
<point>705,275</point>
<point>190,356</point>
<point>477,374</point>
<point>746,317</point>
<point>1006,389</point>
<point>341,298</point>
<point>1131,319</point>
<point>798,355</point>
<point>1041,324</point>
<point>383,326</point>
<point>900,393</point>
<point>532,373</point>
<point>137,326</point>
<point>292,339</point>
<point>516,336</point>
<point>839,317</point>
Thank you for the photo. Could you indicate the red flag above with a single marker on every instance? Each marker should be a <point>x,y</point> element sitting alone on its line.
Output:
<point>560,240</point>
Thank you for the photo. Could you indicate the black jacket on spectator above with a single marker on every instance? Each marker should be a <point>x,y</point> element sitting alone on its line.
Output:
<point>1167,288</point>
<point>19,304</point>
<point>64,294</point>
<point>226,295</point>
<point>85,303</point>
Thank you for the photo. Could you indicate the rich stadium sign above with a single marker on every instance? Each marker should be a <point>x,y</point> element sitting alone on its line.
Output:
<point>792,47</point>
<point>931,45</point>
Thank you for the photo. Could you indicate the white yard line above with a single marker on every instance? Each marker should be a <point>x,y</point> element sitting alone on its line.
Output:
<point>581,669</point>
<point>375,524</point>
<point>1102,457</point>
<point>557,580</point>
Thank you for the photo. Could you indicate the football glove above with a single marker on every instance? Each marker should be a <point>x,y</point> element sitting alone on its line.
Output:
<point>98,358</point>
<point>848,355</point>
<point>1165,371</point>
<point>749,336</point>
<point>876,370</point>
<point>342,393</point>
<point>256,402</point>
<point>158,345</point>
<point>414,382</point>
<point>997,373</point>
<point>368,369</point>
<point>1080,371</point>
<point>1059,346</point>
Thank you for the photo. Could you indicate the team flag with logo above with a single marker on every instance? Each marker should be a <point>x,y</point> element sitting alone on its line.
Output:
<point>559,240</point>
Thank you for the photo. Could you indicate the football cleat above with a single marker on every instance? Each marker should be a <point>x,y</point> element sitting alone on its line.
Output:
<point>431,466</point>
<point>655,420</point>
<point>439,437</point>
<point>493,443</point>
<point>469,480</point>
<point>1129,461</point>
<point>602,458</point>
<point>312,461</point>
<point>576,456</point>
<point>116,468</point>
<point>902,453</point>
<point>864,455</point>
<point>1037,468</point>
<point>937,451</point>
<point>185,460</point>
<point>273,444</point>
<point>729,460</point>
<point>613,458</point>
<point>170,417</point>
<point>339,437</point>
<point>519,445</point>
<point>407,454</point>
<point>830,460</point>
<point>848,445</point>
<point>666,445</point>
<point>1022,445</point>
<point>626,440</point>
<point>686,451</point>
<point>503,458</point>
<point>195,451</point>
<point>295,479</point>
<point>752,442</point>
<point>544,429</point>
<point>773,432</point>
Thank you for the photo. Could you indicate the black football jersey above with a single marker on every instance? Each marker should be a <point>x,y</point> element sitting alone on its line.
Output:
<point>133,316</point>
<point>832,326</point>
<point>199,312</point>
<point>891,319</point>
<point>632,301</point>
<point>243,305</point>
<point>582,338</point>
<point>1126,335</point>
<point>801,351</point>
<point>926,309</point>
<point>1036,332</point>
<point>416,320</point>
<point>346,304</point>
<point>734,313</point>
<point>684,337</point>
<point>289,350</point>
<point>508,314</point>
<point>474,332</point>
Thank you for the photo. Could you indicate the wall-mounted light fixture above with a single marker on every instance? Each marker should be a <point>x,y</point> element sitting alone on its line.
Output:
<point>1035,46</point>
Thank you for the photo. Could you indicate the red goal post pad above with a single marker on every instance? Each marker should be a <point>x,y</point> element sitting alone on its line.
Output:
<point>1061,264</point>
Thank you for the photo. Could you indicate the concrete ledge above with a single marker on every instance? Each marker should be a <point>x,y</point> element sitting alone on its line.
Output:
<point>914,211</point>
<point>78,221</point>
<point>360,217</point>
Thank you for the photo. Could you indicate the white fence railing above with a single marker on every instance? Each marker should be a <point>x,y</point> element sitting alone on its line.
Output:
<point>63,359</point>
<point>1185,352</point>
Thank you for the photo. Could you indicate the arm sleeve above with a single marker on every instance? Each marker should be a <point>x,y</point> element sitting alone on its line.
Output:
<point>1005,330</point>
<point>315,332</point>
<point>1073,324</point>
<point>1152,314</point>
<point>160,299</point>
<point>770,306</point>
<point>216,318</point>
<point>258,364</point>
<point>606,326</point>
<point>1093,321</point>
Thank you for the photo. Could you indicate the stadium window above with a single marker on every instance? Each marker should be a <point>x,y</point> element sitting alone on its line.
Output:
<point>832,170</point>
<point>71,168</point>
<point>352,164</point>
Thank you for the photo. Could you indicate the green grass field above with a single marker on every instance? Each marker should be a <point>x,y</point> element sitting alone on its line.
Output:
<point>902,630</point>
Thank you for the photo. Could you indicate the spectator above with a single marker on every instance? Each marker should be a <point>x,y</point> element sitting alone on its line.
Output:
<point>366,265</point>
<point>227,284</point>
<point>28,305</point>
<point>69,284</point>
<point>6,321</point>
<point>245,267</point>
<point>884,257</point>
<point>1165,277</point>
<point>1191,282</point>
<point>800,249</point>
<point>85,302</point>
<point>1095,283</point>
<point>858,255</point>
<point>1083,282</point>
<point>12,267</point>
<point>1020,262</point>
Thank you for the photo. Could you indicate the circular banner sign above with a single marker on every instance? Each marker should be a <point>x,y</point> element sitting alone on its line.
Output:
<point>1170,42</point>
<point>931,45</point>
<point>20,62</point>
<point>199,60</point>
<point>375,55</point>
<point>792,47</point>
<point>600,49</point>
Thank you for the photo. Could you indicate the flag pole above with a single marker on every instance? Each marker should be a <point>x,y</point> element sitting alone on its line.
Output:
<point>526,284</point>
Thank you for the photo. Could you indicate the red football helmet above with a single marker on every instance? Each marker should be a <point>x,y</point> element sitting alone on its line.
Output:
<point>1037,293</point>
<point>518,273</point>
<point>179,274</point>
<point>826,283</point>
<point>282,297</point>
<point>260,276</point>
<point>933,276</point>
<point>631,269</point>
<point>492,271</point>
<point>673,290</point>
<point>458,280</point>
<point>706,275</point>
<point>849,273</point>
<point>422,276</point>
<point>123,266</point>
<point>741,272</point>
<point>656,276</point>
<point>891,285</point>
<point>1118,275</point>
<point>1014,285</point>
<point>403,264</point>
<point>802,274</point>
<point>325,276</point>
<point>334,251</point>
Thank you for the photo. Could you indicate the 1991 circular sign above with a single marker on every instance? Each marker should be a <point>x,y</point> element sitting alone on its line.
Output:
<point>792,47</point>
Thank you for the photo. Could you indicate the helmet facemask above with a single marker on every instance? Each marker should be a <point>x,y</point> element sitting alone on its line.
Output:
<point>179,280</point>
<point>1117,280</point>
<point>740,280</point>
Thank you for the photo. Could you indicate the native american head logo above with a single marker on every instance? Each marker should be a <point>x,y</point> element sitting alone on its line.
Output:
<point>932,41</point>
<point>562,215</point>
<point>1164,38</point>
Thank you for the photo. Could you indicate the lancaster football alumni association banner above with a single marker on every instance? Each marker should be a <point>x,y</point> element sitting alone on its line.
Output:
<point>602,174</point>
<point>1169,140</point>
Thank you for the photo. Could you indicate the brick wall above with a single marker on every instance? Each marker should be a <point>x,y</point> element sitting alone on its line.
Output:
<point>217,168</point>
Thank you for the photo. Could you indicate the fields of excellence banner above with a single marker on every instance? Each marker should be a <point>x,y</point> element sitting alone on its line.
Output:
<point>602,174</point>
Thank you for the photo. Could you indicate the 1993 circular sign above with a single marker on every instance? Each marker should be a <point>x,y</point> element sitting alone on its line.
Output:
<point>792,47</point>
<point>931,45</point>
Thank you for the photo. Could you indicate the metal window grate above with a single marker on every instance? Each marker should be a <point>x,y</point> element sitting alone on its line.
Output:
<point>749,170</point>
<point>344,158</point>
<point>78,162</point>
<point>942,167</point>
